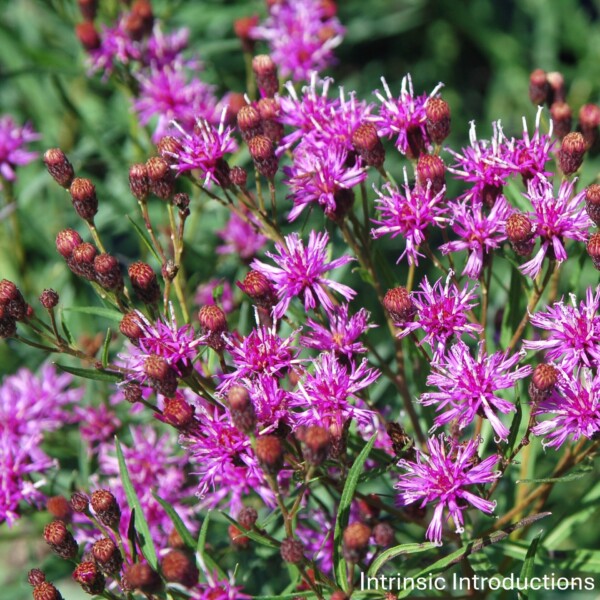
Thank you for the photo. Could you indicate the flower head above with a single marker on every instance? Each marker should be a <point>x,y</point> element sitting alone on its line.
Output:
<point>467,386</point>
<point>409,214</point>
<point>116,48</point>
<point>573,332</point>
<point>241,238</point>
<point>12,146</point>
<point>300,272</point>
<point>442,475</point>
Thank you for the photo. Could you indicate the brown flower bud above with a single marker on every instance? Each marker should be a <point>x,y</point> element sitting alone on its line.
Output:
<point>160,177</point>
<point>178,413</point>
<point>36,577</point>
<point>292,551</point>
<point>238,177</point>
<point>538,87</point>
<point>521,233</point>
<point>561,118</point>
<point>437,112</point>
<point>49,299</point>
<point>369,511</point>
<point>259,289</point>
<point>592,202</point>
<point>139,22</point>
<point>138,181</point>
<point>161,375</point>
<point>249,122</point>
<point>79,502</point>
<point>178,567</point>
<point>88,9</point>
<point>430,168</point>
<point>89,577</point>
<point>59,167</point>
<point>82,261</point>
<point>399,304</point>
<point>241,408</point>
<point>144,282</point>
<point>213,323</point>
<point>108,272</point>
<point>140,576</point>
<point>593,248</point>
<point>556,90</point>
<point>542,382</point>
<point>131,326</point>
<point>247,517</point>
<point>263,154</point>
<point>8,326</point>
<point>181,202</point>
<point>106,507</point>
<point>107,555</point>
<point>269,452</point>
<point>83,196</point>
<point>570,155</point>
<point>12,300</point>
<point>242,28</point>
<point>384,534</point>
<point>316,444</point>
<point>238,539</point>
<point>367,144</point>
<point>59,507</point>
<point>66,241</point>
<point>356,541</point>
<point>88,36</point>
<point>46,591</point>
<point>175,540</point>
<point>132,392</point>
<point>589,116</point>
<point>60,539</point>
<point>169,148</point>
<point>265,72</point>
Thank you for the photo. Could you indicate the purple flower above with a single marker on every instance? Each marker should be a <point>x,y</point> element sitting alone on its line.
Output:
<point>478,232</point>
<point>342,334</point>
<point>442,313</point>
<point>165,50</point>
<point>467,386</point>
<point>573,332</point>
<point>408,214</point>
<point>12,146</point>
<point>324,396</point>
<point>442,475</point>
<point>556,217</point>
<point>97,424</point>
<point>116,48</point>
<point>270,402</point>
<point>316,533</point>
<point>403,116</point>
<point>205,294</point>
<point>485,164</point>
<point>167,94</point>
<point>318,174</point>
<point>216,588</point>
<point>242,239</point>
<point>300,272</point>
<point>154,467</point>
<point>204,149</point>
<point>573,408</point>
<point>301,36</point>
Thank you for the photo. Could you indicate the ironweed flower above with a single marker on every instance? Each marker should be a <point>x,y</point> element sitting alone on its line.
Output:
<point>573,332</point>
<point>241,238</point>
<point>442,475</point>
<point>13,152</point>
<point>300,272</point>
<point>467,386</point>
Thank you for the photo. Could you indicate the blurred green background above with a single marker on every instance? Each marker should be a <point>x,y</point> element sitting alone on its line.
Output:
<point>482,51</point>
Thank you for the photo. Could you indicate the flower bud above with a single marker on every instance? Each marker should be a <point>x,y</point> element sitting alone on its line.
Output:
<point>241,409</point>
<point>36,577</point>
<point>269,110</point>
<point>178,567</point>
<point>88,36</point>
<point>356,541</point>
<point>593,248</point>
<point>259,289</point>
<point>592,202</point>
<point>431,168</point>
<point>521,233</point>
<point>367,144</point>
<point>292,551</point>
<point>88,9</point>
<point>384,535</point>
<point>59,167</point>
<point>138,181</point>
<point>49,299</point>
<point>589,120</point>
<point>238,177</point>
<point>269,452</point>
<point>265,72</point>
<point>144,282</point>
<point>169,148</point>
<point>178,413</point>
<point>46,591</point>
<point>59,507</point>
<point>106,507</point>
<point>160,177</point>
<point>538,87</point>
<point>60,539</point>
<point>139,22</point>
<point>213,323</point>
<point>247,517</point>
<point>399,305</point>
<point>556,89</point>
<point>82,261</point>
<point>238,539</point>
<point>140,576</point>
<point>437,112</point>
<point>66,241</point>
<point>8,326</point>
<point>83,196</point>
<point>79,502</point>
<point>316,445</point>
<point>12,300</point>
<point>263,154</point>
<point>89,577</point>
<point>243,30</point>
<point>570,155</point>
<point>107,555</point>
<point>131,326</point>
<point>542,383</point>
<point>108,272</point>
<point>175,540</point>
<point>249,122</point>
<point>182,202</point>
<point>369,511</point>
<point>132,392</point>
<point>561,118</point>
<point>161,375</point>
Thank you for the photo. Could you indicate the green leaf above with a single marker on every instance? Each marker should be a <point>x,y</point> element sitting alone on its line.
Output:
<point>581,472</point>
<point>67,331</point>
<point>397,551</point>
<point>182,530</point>
<point>145,239</point>
<point>514,429</point>
<point>105,347</point>
<point>201,549</point>
<point>529,563</point>
<point>141,526</point>
<point>513,310</point>
<point>252,534</point>
<point>95,374</point>
<point>343,514</point>
<point>97,311</point>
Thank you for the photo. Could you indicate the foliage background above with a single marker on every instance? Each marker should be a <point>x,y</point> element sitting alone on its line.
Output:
<point>482,50</point>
